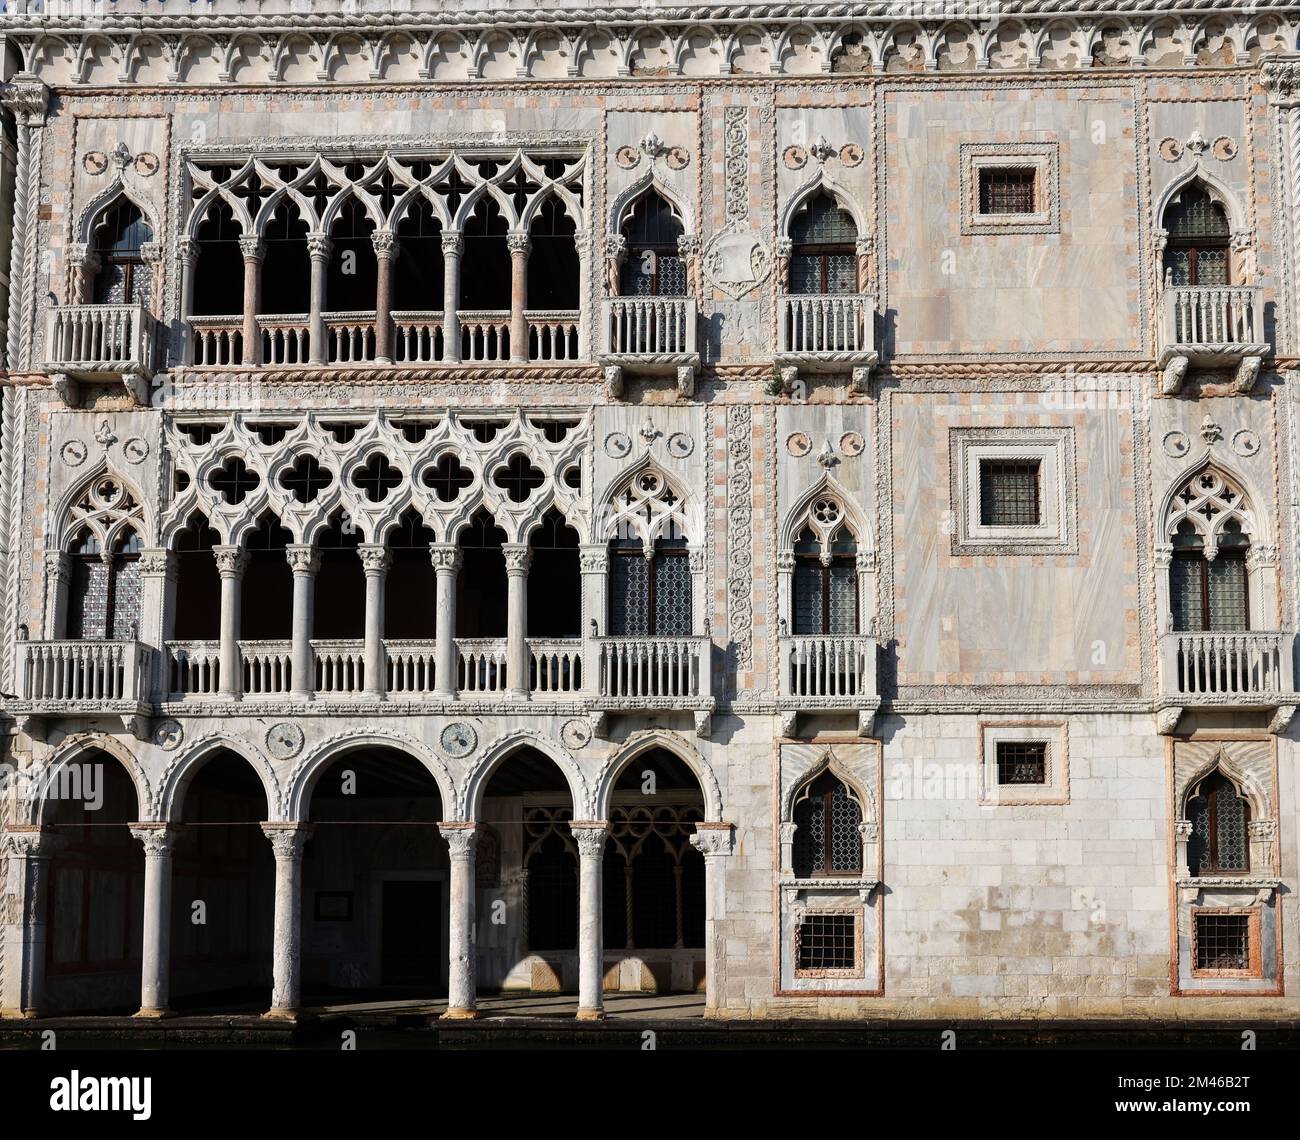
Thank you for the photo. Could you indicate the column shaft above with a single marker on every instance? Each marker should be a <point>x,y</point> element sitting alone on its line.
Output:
<point>386,250</point>
<point>304,562</point>
<point>517,557</point>
<point>231,561</point>
<point>462,960</point>
<point>451,250</point>
<point>287,841</point>
<point>253,251</point>
<point>590,838</point>
<point>519,245</point>
<point>22,984</point>
<point>318,246</point>
<point>375,560</point>
<point>155,955</point>
<point>446,567</point>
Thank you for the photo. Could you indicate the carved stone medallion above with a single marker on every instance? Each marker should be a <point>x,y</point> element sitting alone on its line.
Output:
<point>168,734</point>
<point>458,739</point>
<point>736,261</point>
<point>284,741</point>
<point>576,734</point>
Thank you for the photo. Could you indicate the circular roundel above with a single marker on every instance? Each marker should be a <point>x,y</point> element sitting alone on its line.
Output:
<point>458,739</point>
<point>74,453</point>
<point>826,511</point>
<point>168,734</point>
<point>284,741</point>
<point>576,733</point>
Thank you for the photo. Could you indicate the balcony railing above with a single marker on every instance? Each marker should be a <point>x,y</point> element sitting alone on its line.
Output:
<point>266,667</point>
<point>98,339</point>
<point>285,339</point>
<point>555,667</point>
<point>218,342</point>
<point>340,667</point>
<point>350,337</point>
<point>825,326</point>
<point>553,335</point>
<point>482,665</point>
<point>85,672</point>
<point>484,336</point>
<point>417,338</point>
<point>832,668</point>
<point>412,668</point>
<point>1248,668</point>
<point>639,327</point>
<point>193,669</point>
<point>654,667</point>
<point>1213,319</point>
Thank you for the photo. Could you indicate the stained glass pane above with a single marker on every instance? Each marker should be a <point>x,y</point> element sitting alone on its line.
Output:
<point>1185,598</point>
<point>88,599</point>
<point>1227,585</point>
<point>629,594</point>
<point>808,582</point>
<point>672,596</point>
<point>823,222</point>
<point>843,582</point>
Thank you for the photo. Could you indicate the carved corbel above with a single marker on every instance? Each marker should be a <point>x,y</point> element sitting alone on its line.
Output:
<point>67,389</point>
<point>136,726</point>
<point>137,387</point>
<point>1281,720</point>
<point>788,720</point>
<point>686,381</point>
<point>1247,373</point>
<point>703,723</point>
<point>866,722</point>
<point>1172,377</point>
<point>860,383</point>
<point>614,381</point>
<point>1167,720</point>
<point>599,723</point>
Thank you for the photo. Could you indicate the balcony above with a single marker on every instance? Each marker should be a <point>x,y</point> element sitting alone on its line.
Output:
<point>649,336</point>
<point>1229,671</point>
<point>828,673</point>
<point>95,342</point>
<point>84,677</point>
<point>638,674</point>
<point>1211,326</point>
<point>826,332</point>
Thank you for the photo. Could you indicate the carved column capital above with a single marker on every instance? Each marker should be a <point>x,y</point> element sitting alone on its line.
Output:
<point>593,558</point>
<point>716,838</point>
<point>287,839</point>
<point>461,838</point>
<point>302,559</point>
<point>518,244</point>
<point>29,841</point>
<point>158,838</point>
<point>518,555</point>
<point>253,248</point>
<point>319,246</point>
<point>26,98</point>
<point>1281,80</point>
<point>155,562</point>
<point>231,560</point>
<point>445,557</point>
<point>453,243</point>
<point>375,559</point>
<point>385,243</point>
<point>187,248</point>
<point>58,564</point>
<point>589,835</point>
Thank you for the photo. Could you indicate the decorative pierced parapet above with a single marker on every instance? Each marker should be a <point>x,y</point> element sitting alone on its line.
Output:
<point>340,667</point>
<point>84,671</point>
<point>833,668</point>
<point>648,326</point>
<point>267,667</point>
<point>93,340</point>
<point>556,666</point>
<point>218,342</point>
<point>654,667</point>
<point>193,668</point>
<point>826,326</point>
<point>1250,669</point>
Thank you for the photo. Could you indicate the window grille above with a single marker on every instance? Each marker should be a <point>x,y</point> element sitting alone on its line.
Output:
<point>1022,762</point>
<point>825,591</point>
<point>826,942</point>
<point>824,254</point>
<point>1009,494</point>
<point>1223,942</point>
<point>1196,250</point>
<point>1008,189</point>
<point>827,839</point>
<point>1219,815</point>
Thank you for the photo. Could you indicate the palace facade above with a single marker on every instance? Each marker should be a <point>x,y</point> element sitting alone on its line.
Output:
<point>794,503</point>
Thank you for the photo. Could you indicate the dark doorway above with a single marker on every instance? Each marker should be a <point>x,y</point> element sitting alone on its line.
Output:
<point>410,930</point>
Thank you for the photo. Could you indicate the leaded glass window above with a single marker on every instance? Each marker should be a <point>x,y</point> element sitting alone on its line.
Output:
<point>1204,594</point>
<point>1196,251</point>
<point>1219,815</point>
<point>826,839</point>
<point>825,584</point>
<point>104,593</point>
<point>650,597</point>
<point>653,265</point>
<point>123,277</point>
<point>824,254</point>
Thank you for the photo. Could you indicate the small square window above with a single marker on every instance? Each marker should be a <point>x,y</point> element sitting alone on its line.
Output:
<point>1009,492</point>
<point>1225,942</point>
<point>1022,761</point>
<point>826,941</point>
<point>1008,189</point>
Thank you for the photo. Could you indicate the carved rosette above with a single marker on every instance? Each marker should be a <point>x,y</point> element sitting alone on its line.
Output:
<point>461,839</point>
<point>589,836</point>
<point>287,839</point>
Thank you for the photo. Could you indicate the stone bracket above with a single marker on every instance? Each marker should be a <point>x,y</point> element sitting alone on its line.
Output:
<point>1282,720</point>
<point>1171,378</point>
<point>703,723</point>
<point>1167,720</point>
<point>1246,375</point>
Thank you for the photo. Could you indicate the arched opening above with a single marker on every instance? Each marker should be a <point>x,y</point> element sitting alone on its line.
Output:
<point>198,582</point>
<point>828,838</point>
<point>286,267</point>
<point>527,804</point>
<point>411,586</point>
<point>654,265</point>
<point>95,903</point>
<point>485,262</point>
<point>104,590</point>
<point>266,596</point>
<point>553,260</point>
<point>650,585</point>
<point>1209,593</point>
<point>481,584</point>
<point>340,610</point>
<point>1219,814</point>
<point>375,879</point>
<point>418,271</point>
<point>352,275</point>
<point>122,278</point>
<point>653,878</point>
<point>1199,237</point>
<point>223,886</point>
<point>554,580</point>
<point>219,272</point>
<point>825,582</point>
<point>823,257</point>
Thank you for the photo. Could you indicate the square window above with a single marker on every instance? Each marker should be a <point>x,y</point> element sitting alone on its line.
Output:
<point>1022,761</point>
<point>1008,189</point>
<point>1225,942</point>
<point>826,944</point>
<point>1009,493</point>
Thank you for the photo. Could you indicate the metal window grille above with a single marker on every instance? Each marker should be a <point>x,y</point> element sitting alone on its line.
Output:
<point>826,942</point>
<point>1219,816</point>
<point>1009,492</point>
<point>1223,942</point>
<point>826,838</point>
<point>1022,761</point>
<point>1007,189</point>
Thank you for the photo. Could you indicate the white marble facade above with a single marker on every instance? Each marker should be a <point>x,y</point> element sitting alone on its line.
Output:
<point>732,416</point>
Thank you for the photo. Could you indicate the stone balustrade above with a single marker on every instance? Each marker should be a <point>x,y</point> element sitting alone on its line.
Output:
<point>1248,669</point>
<point>86,672</point>
<point>828,667</point>
<point>99,339</point>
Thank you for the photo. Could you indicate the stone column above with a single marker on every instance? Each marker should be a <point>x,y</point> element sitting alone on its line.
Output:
<point>254,251</point>
<point>304,562</point>
<point>58,573</point>
<point>593,562</point>
<point>27,99</point>
<point>462,941</point>
<point>715,842</point>
<point>231,562</point>
<point>319,247</point>
<point>519,245</point>
<point>375,560</point>
<point>287,842</point>
<point>590,836</point>
<point>22,983</point>
<point>446,558</point>
<point>584,245</point>
<point>453,244</point>
<point>155,965</point>
<point>386,251</point>
<point>85,265</point>
<point>188,249</point>
<point>157,609</point>
<point>517,555</point>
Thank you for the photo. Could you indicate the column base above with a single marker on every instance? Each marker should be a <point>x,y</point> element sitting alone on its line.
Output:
<point>591,1015</point>
<point>374,695</point>
<point>19,1014</point>
<point>152,1013</point>
<point>459,1015</point>
<point>230,696</point>
<point>304,697</point>
<point>281,1015</point>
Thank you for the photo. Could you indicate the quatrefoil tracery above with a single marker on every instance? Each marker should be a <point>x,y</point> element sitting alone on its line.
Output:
<point>1209,500</point>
